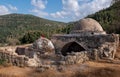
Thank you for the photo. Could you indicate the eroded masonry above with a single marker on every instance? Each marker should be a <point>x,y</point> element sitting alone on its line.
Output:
<point>87,41</point>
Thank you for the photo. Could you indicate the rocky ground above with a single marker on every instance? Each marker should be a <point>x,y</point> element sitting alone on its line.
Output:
<point>88,69</point>
<point>102,68</point>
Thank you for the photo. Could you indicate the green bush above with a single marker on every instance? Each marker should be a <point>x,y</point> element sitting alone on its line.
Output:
<point>30,37</point>
<point>2,61</point>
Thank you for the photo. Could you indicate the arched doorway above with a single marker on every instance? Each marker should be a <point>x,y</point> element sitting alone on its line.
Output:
<point>71,47</point>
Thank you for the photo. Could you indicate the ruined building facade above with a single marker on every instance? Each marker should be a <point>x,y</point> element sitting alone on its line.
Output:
<point>87,35</point>
<point>87,41</point>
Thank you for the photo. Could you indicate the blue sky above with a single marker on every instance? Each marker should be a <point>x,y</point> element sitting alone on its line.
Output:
<point>58,10</point>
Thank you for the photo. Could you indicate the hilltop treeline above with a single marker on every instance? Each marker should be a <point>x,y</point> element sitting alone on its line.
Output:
<point>109,18</point>
<point>15,27</point>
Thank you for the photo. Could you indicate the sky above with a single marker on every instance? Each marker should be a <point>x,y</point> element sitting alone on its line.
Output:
<point>58,10</point>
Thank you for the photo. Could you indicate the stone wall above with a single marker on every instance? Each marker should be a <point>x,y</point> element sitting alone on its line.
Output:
<point>88,42</point>
<point>87,33</point>
<point>13,59</point>
<point>107,43</point>
<point>75,58</point>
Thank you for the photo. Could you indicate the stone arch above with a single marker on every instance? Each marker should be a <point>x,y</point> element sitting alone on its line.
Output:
<point>71,47</point>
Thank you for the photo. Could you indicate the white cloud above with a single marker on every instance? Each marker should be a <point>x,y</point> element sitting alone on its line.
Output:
<point>7,9</point>
<point>12,7</point>
<point>69,8</point>
<point>4,10</point>
<point>76,9</point>
<point>70,5</point>
<point>94,6</point>
<point>39,12</point>
<point>39,6</point>
<point>60,14</point>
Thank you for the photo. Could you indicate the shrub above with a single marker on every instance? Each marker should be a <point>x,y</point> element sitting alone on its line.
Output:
<point>2,61</point>
<point>30,37</point>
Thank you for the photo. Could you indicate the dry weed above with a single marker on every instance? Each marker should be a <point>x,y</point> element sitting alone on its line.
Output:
<point>98,72</point>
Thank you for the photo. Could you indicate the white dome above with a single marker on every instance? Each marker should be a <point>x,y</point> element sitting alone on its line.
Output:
<point>88,24</point>
<point>43,44</point>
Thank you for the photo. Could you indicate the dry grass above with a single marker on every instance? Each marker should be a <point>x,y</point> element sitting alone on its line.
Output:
<point>93,69</point>
<point>98,72</point>
<point>13,71</point>
<point>29,72</point>
<point>99,69</point>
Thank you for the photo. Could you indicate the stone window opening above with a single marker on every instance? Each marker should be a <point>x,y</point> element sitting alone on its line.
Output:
<point>92,33</point>
<point>71,47</point>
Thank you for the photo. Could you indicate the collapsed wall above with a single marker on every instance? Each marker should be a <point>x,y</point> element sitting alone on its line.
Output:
<point>73,50</point>
<point>13,59</point>
<point>33,55</point>
<point>74,58</point>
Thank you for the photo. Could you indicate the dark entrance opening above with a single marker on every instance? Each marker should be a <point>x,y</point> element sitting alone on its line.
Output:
<point>71,47</point>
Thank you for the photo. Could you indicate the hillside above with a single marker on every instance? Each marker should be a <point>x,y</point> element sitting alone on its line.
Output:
<point>109,18</point>
<point>14,26</point>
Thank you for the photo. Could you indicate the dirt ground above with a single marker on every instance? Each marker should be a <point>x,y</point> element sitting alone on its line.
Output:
<point>88,69</point>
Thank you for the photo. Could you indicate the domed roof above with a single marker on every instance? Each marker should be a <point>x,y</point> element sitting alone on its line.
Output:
<point>88,24</point>
<point>43,44</point>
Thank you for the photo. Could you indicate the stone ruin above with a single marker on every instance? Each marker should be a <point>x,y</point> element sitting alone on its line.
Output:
<point>87,41</point>
<point>89,37</point>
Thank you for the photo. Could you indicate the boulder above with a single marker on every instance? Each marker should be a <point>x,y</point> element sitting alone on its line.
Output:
<point>34,62</point>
